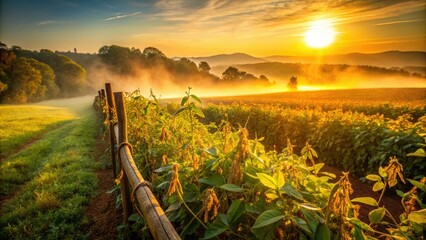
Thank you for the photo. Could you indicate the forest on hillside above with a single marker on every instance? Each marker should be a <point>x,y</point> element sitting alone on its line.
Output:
<point>31,76</point>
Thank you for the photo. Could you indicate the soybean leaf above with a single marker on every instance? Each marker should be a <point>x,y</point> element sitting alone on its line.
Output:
<point>323,232</point>
<point>378,186</point>
<point>376,215</point>
<point>418,216</point>
<point>211,151</point>
<point>419,153</point>
<point>215,180</point>
<point>231,187</point>
<point>366,200</point>
<point>268,217</point>
<point>184,100</point>
<point>272,194</point>
<point>302,224</point>
<point>198,111</point>
<point>279,178</point>
<point>180,110</point>
<point>382,172</point>
<point>267,180</point>
<point>235,211</point>
<point>214,229</point>
<point>311,219</point>
<point>195,98</point>
<point>291,191</point>
<point>358,223</point>
<point>374,177</point>
<point>418,184</point>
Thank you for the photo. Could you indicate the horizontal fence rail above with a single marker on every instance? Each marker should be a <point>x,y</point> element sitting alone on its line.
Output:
<point>130,177</point>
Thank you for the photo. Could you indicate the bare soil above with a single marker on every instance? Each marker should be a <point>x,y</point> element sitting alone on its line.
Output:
<point>103,216</point>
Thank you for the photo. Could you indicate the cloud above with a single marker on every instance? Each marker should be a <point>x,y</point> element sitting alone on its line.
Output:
<point>122,16</point>
<point>49,22</point>
<point>274,15</point>
<point>399,22</point>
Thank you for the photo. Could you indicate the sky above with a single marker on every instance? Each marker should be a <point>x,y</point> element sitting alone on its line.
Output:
<point>189,28</point>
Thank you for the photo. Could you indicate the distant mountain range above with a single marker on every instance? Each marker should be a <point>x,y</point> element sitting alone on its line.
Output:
<point>382,59</point>
<point>229,59</point>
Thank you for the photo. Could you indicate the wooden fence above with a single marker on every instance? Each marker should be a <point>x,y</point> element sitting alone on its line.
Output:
<point>135,191</point>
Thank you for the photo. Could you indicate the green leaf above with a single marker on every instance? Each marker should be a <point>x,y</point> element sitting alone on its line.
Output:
<point>418,216</point>
<point>358,223</point>
<point>268,217</point>
<point>376,215</point>
<point>272,194</point>
<point>211,151</point>
<point>134,217</point>
<point>231,187</point>
<point>184,100</point>
<point>214,229</point>
<point>419,153</point>
<point>302,224</point>
<point>197,111</point>
<point>366,200</point>
<point>418,184</point>
<point>323,232</point>
<point>310,206</point>
<point>291,191</point>
<point>378,186</point>
<point>358,235</point>
<point>279,178</point>
<point>374,177</point>
<point>162,169</point>
<point>267,180</point>
<point>195,98</point>
<point>180,110</point>
<point>382,172</point>
<point>311,219</point>
<point>215,180</point>
<point>235,211</point>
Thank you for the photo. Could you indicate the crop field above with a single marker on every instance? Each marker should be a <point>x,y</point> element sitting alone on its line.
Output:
<point>253,169</point>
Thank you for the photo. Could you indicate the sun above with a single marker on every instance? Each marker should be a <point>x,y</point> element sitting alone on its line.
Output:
<point>320,34</point>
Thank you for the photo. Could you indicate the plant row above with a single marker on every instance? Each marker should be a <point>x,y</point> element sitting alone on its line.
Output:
<point>215,181</point>
<point>351,141</point>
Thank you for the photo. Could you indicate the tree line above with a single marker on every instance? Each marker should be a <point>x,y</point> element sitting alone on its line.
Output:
<point>31,76</point>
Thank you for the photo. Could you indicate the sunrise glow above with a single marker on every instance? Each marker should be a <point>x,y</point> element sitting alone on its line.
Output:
<point>320,34</point>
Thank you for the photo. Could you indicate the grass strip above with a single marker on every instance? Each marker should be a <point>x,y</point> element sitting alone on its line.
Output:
<point>20,124</point>
<point>60,174</point>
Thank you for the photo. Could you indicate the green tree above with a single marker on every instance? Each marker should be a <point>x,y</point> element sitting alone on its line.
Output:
<point>6,59</point>
<point>70,76</point>
<point>25,83</point>
<point>204,67</point>
<point>231,74</point>
<point>47,78</point>
<point>292,84</point>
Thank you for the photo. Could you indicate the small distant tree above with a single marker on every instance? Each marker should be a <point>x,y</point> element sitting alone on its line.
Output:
<point>204,67</point>
<point>231,73</point>
<point>292,84</point>
<point>263,78</point>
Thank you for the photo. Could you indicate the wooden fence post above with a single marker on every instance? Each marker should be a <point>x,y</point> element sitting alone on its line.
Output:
<point>122,138</point>
<point>103,94</point>
<point>111,111</point>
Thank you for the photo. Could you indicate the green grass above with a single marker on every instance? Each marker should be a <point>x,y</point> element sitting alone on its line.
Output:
<point>54,179</point>
<point>20,124</point>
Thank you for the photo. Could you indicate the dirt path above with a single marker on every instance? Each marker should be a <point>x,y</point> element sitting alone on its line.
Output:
<point>31,141</point>
<point>101,211</point>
